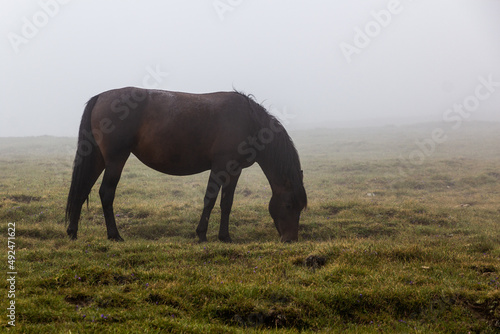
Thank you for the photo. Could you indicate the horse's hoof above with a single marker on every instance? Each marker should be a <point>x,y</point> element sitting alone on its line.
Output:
<point>226,240</point>
<point>71,234</point>
<point>202,237</point>
<point>115,238</point>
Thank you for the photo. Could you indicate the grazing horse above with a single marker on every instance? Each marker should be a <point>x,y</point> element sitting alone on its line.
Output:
<point>182,134</point>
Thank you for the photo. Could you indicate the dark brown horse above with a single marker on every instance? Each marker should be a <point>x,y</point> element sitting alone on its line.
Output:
<point>182,134</point>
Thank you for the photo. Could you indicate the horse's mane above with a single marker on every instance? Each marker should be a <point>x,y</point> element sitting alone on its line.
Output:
<point>280,151</point>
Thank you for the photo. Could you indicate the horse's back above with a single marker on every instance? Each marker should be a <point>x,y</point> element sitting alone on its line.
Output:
<point>176,133</point>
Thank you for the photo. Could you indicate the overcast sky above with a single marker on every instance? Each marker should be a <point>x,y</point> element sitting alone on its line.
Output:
<point>326,63</point>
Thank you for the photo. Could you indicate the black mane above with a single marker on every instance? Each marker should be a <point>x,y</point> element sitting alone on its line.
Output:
<point>281,151</point>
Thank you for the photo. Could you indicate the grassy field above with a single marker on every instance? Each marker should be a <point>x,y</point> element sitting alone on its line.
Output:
<point>393,241</point>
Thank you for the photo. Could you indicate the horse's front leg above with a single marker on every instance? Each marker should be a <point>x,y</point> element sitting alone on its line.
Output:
<point>211,193</point>
<point>226,204</point>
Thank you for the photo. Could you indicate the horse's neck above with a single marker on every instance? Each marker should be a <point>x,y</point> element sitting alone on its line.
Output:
<point>271,172</point>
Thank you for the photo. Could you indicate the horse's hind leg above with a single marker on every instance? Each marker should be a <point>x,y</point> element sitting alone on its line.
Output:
<point>107,191</point>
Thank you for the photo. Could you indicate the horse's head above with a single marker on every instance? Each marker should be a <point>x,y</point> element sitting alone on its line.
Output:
<point>285,209</point>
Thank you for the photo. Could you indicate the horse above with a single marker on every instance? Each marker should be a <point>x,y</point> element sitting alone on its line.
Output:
<point>180,133</point>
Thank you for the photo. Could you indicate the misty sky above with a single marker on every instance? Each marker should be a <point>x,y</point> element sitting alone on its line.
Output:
<point>313,63</point>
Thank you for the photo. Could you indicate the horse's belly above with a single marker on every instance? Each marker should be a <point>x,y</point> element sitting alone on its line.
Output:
<point>175,164</point>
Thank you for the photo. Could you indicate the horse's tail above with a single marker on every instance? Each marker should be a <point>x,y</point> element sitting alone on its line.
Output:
<point>85,166</point>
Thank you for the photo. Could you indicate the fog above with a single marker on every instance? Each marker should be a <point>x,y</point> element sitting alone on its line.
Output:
<point>312,63</point>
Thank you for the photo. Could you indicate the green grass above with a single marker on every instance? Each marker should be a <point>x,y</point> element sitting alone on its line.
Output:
<point>385,245</point>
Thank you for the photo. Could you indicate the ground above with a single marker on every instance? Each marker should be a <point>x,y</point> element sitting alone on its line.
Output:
<point>401,235</point>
